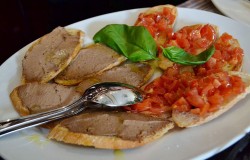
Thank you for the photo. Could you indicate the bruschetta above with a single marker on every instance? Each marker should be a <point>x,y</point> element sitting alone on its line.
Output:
<point>193,39</point>
<point>31,98</point>
<point>51,54</point>
<point>228,55</point>
<point>111,130</point>
<point>90,61</point>
<point>218,103</point>
<point>193,98</point>
<point>159,21</point>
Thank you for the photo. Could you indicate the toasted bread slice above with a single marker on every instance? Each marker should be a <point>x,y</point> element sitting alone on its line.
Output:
<point>110,130</point>
<point>190,43</point>
<point>51,54</point>
<point>188,119</point>
<point>228,55</point>
<point>166,20</point>
<point>90,61</point>
<point>37,97</point>
<point>235,54</point>
<point>159,9</point>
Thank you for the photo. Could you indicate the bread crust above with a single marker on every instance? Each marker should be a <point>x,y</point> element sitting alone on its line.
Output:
<point>18,104</point>
<point>159,8</point>
<point>50,75</point>
<point>24,111</point>
<point>188,119</point>
<point>61,133</point>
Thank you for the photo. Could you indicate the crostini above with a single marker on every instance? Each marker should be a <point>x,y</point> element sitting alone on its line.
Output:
<point>51,54</point>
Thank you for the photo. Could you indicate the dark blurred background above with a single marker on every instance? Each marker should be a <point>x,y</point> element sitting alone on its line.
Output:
<point>23,21</point>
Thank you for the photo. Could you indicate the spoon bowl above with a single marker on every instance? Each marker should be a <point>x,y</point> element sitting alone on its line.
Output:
<point>109,94</point>
<point>113,94</point>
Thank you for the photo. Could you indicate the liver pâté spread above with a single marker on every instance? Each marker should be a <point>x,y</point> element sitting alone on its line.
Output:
<point>127,126</point>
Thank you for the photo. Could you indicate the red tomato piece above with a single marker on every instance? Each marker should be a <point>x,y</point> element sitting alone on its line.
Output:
<point>181,105</point>
<point>159,24</point>
<point>194,39</point>
<point>228,55</point>
<point>215,99</point>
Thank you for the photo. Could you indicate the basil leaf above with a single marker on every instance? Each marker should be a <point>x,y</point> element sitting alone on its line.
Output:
<point>134,42</point>
<point>178,55</point>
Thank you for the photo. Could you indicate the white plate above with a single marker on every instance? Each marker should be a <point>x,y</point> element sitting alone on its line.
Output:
<point>236,9</point>
<point>196,143</point>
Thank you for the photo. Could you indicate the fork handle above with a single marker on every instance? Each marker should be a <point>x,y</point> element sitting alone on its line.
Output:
<point>14,125</point>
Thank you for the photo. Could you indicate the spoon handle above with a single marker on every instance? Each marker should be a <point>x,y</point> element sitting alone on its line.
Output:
<point>13,125</point>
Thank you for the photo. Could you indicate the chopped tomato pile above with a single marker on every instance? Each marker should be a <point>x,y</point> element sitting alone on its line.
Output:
<point>193,39</point>
<point>228,54</point>
<point>198,93</point>
<point>159,24</point>
<point>205,87</point>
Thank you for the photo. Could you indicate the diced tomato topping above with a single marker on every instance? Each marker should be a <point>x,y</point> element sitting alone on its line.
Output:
<point>159,24</point>
<point>162,25</point>
<point>207,89</point>
<point>204,109</point>
<point>194,39</point>
<point>189,92</point>
<point>195,111</point>
<point>215,99</point>
<point>226,37</point>
<point>209,85</point>
<point>142,106</point>
<point>209,32</point>
<point>228,55</point>
<point>213,108</point>
<point>181,105</point>
<point>170,97</point>
<point>217,54</point>
<point>195,100</point>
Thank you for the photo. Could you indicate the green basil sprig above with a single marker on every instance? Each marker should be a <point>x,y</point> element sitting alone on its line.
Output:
<point>178,55</point>
<point>134,42</point>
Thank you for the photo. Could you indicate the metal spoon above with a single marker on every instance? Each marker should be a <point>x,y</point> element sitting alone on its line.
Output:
<point>110,94</point>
